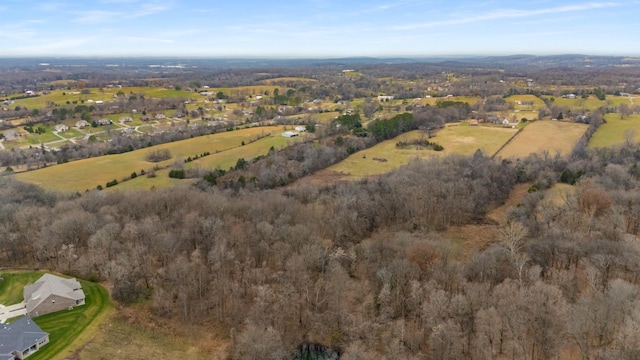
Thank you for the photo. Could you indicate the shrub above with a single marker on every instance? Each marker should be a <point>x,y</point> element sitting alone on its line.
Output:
<point>113,182</point>
<point>158,155</point>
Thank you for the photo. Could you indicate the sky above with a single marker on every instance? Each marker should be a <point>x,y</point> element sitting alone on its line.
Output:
<point>317,28</point>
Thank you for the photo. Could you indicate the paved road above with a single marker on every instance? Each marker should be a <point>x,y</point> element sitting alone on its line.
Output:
<point>11,311</point>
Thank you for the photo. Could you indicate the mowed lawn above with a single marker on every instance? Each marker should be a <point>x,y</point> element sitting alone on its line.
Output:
<point>549,135</point>
<point>11,288</point>
<point>87,174</point>
<point>68,330</point>
<point>461,139</point>
<point>615,130</point>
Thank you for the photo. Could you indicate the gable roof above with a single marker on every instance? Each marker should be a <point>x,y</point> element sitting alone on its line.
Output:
<point>48,284</point>
<point>18,336</point>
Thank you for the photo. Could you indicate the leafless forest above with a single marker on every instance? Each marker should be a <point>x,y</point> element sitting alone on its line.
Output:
<point>361,266</point>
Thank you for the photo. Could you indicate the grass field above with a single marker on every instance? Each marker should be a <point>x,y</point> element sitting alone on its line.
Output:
<point>68,329</point>
<point>86,174</point>
<point>223,160</point>
<point>537,102</point>
<point>591,103</point>
<point>614,131</point>
<point>461,139</point>
<point>538,136</point>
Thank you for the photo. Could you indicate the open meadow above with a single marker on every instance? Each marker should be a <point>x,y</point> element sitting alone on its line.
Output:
<point>616,130</point>
<point>458,139</point>
<point>86,174</point>
<point>540,136</point>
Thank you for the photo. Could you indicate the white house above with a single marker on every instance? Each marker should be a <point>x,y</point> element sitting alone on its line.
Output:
<point>300,128</point>
<point>289,134</point>
<point>61,127</point>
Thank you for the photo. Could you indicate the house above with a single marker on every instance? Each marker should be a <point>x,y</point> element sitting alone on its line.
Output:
<point>505,121</point>
<point>104,122</point>
<point>125,119</point>
<point>11,135</point>
<point>289,134</point>
<point>99,102</point>
<point>81,124</point>
<point>569,96</point>
<point>52,293</point>
<point>385,97</point>
<point>20,339</point>
<point>61,127</point>
<point>301,128</point>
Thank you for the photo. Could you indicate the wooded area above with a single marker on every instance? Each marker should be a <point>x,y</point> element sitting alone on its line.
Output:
<point>360,266</point>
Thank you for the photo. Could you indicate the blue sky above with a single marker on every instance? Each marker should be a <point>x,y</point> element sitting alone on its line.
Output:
<point>317,28</point>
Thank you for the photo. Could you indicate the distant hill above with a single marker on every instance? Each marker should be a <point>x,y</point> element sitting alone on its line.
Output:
<point>566,60</point>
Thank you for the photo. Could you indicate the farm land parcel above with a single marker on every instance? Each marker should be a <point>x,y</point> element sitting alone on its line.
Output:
<point>544,135</point>
<point>86,174</point>
<point>615,130</point>
<point>458,139</point>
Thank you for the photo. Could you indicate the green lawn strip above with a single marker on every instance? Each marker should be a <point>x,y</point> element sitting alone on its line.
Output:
<point>11,288</point>
<point>70,329</point>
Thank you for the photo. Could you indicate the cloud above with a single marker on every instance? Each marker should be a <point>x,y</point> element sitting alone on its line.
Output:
<point>147,9</point>
<point>506,14</point>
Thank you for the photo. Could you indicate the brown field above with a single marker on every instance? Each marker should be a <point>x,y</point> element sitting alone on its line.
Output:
<point>539,136</point>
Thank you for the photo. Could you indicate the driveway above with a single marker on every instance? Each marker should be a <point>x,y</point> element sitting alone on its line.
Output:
<point>11,311</point>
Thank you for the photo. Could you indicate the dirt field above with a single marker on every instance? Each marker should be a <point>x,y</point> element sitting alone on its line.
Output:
<point>539,136</point>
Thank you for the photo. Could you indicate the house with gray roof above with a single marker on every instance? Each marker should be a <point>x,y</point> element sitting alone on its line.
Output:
<point>20,339</point>
<point>52,293</point>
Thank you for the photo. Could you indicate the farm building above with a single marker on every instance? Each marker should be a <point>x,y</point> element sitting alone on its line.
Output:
<point>289,134</point>
<point>52,293</point>
<point>20,339</point>
<point>301,128</point>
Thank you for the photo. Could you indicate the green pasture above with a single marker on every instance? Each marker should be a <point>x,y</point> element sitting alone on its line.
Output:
<point>591,103</point>
<point>461,139</point>
<point>86,174</point>
<point>616,101</point>
<point>545,135</point>
<point>615,130</point>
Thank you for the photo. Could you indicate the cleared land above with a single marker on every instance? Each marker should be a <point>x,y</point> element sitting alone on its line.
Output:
<point>539,136</point>
<point>131,334</point>
<point>591,103</point>
<point>462,139</point>
<point>615,130</point>
<point>86,174</point>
